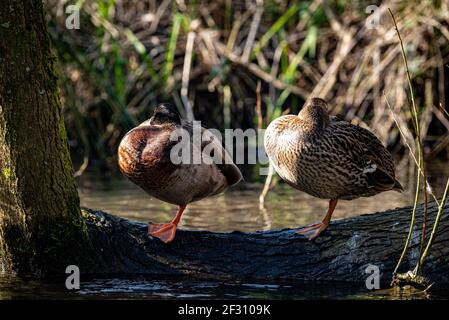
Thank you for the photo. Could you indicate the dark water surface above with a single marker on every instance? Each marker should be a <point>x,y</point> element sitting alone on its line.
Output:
<point>143,288</point>
<point>237,209</point>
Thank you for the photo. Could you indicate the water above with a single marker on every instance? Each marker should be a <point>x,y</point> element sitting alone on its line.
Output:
<point>237,209</point>
<point>143,288</point>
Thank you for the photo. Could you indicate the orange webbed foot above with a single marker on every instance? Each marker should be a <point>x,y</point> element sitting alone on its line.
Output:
<point>314,230</point>
<point>166,231</point>
<point>163,231</point>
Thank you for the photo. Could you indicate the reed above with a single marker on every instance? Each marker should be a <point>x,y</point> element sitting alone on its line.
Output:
<point>412,276</point>
<point>128,56</point>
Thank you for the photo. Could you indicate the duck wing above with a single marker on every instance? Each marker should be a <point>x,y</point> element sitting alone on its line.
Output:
<point>221,157</point>
<point>376,161</point>
<point>214,152</point>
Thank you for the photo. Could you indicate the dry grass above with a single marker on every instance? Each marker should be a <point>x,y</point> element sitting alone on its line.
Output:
<point>207,58</point>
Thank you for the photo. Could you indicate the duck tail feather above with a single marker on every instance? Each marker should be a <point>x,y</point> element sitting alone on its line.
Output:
<point>397,186</point>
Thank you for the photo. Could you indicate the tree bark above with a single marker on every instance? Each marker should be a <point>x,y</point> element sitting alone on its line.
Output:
<point>342,253</point>
<point>41,229</point>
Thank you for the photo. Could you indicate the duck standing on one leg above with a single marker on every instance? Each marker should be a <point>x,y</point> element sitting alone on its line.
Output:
<point>328,158</point>
<point>144,157</point>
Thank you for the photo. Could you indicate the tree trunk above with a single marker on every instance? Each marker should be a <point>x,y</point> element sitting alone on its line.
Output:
<point>41,229</point>
<point>342,253</point>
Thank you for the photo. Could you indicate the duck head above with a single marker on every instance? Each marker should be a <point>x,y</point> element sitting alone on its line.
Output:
<point>165,114</point>
<point>315,114</point>
<point>319,103</point>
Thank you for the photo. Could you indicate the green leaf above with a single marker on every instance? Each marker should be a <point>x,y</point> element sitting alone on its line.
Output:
<point>170,55</point>
<point>274,29</point>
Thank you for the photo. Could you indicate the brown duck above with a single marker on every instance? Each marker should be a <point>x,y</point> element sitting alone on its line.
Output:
<point>144,157</point>
<point>328,158</point>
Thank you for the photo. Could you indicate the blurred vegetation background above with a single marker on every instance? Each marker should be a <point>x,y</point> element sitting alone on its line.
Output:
<point>208,57</point>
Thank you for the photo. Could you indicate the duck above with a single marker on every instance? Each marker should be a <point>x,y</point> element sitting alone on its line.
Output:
<point>328,158</point>
<point>148,157</point>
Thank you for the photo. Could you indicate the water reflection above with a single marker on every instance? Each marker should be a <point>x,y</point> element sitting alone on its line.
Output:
<point>237,209</point>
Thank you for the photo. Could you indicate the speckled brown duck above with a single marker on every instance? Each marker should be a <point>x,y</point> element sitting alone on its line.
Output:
<point>328,158</point>
<point>144,158</point>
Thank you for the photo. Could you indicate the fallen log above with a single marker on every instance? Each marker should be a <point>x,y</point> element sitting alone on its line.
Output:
<point>342,253</point>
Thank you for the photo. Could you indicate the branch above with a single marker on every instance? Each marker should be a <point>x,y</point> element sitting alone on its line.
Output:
<point>342,253</point>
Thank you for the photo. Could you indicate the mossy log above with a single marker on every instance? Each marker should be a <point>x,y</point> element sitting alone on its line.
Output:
<point>342,253</point>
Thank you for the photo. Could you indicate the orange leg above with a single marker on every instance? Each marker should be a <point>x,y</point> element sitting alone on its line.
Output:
<point>315,229</point>
<point>166,231</point>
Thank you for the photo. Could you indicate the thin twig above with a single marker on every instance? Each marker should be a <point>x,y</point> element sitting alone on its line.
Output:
<point>420,158</point>
<point>259,106</point>
<point>253,31</point>
<point>401,132</point>
<point>435,225</point>
<point>257,71</point>
<point>186,75</point>
<point>260,125</point>
<point>416,122</point>
<point>267,186</point>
